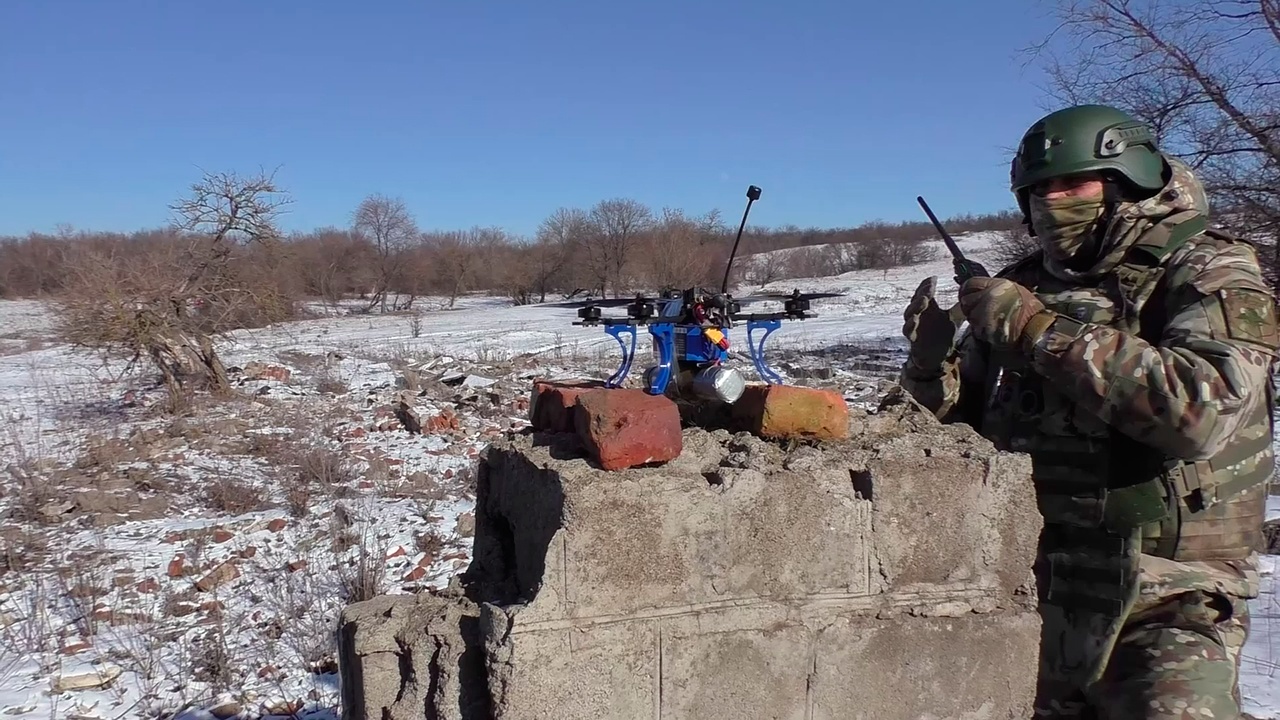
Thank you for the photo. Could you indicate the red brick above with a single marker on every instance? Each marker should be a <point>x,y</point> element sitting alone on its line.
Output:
<point>788,411</point>
<point>551,403</point>
<point>624,428</point>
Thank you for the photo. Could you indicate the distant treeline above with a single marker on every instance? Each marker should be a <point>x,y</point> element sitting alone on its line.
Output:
<point>616,247</point>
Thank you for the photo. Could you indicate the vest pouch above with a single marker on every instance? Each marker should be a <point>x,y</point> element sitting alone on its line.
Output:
<point>1127,508</point>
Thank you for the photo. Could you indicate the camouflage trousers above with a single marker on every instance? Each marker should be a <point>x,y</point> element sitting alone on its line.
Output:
<point>1172,651</point>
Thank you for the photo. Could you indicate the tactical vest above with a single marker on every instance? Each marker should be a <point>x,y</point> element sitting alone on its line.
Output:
<point>1100,490</point>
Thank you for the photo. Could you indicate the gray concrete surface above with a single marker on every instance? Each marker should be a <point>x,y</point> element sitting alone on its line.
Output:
<point>887,576</point>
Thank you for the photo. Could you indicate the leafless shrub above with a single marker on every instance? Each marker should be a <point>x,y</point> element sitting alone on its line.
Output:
<point>303,609</point>
<point>33,635</point>
<point>364,579</point>
<point>234,496</point>
<point>22,548</point>
<point>172,601</point>
<point>430,542</point>
<point>1012,246</point>
<point>764,268</point>
<point>31,491</point>
<point>332,385</point>
<point>195,547</point>
<point>273,448</point>
<point>212,658</point>
<point>311,472</point>
<point>324,468</point>
<point>144,656</point>
<point>298,499</point>
<point>168,308</point>
<point>83,585</point>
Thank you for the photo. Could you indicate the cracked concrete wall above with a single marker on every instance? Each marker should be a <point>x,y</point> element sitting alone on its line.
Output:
<point>887,576</point>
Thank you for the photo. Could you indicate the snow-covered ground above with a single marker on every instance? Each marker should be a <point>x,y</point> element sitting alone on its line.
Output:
<point>202,559</point>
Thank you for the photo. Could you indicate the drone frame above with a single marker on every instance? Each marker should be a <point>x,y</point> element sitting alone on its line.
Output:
<point>664,326</point>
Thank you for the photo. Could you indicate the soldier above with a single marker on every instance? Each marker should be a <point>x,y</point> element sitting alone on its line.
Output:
<point>1130,356</point>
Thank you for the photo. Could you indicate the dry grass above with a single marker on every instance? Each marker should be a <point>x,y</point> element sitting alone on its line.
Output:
<point>234,496</point>
<point>308,473</point>
<point>364,579</point>
<point>430,542</point>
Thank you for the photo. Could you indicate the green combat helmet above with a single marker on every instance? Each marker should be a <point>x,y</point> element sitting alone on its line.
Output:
<point>1088,138</point>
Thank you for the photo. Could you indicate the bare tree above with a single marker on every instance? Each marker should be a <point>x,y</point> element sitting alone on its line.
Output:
<point>388,225</point>
<point>680,251</point>
<point>454,258</point>
<point>168,306</point>
<point>1205,74</point>
<point>560,239</point>
<point>617,225</point>
<point>332,263</point>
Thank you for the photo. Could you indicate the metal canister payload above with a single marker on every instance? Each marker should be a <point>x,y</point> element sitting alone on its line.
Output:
<point>719,383</point>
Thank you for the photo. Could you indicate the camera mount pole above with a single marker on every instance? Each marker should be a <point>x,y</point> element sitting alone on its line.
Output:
<point>753,194</point>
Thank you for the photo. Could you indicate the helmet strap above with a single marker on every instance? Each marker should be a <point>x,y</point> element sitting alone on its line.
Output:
<point>1025,206</point>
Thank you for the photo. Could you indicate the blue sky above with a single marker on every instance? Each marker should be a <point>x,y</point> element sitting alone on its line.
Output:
<point>497,112</point>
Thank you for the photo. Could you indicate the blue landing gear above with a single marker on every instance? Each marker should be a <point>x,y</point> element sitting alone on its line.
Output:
<point>757,349</point>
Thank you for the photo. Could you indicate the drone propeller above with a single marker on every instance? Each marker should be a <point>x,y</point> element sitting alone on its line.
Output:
<point>603,302</point>
<point>793,295</point>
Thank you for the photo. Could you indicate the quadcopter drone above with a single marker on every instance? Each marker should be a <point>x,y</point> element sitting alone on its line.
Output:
<point>690,332</point>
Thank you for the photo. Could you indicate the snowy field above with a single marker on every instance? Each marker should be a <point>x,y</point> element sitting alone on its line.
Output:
<point>193,566</point>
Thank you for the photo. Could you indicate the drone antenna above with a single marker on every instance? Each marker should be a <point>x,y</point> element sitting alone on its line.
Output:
<point>753,194</point>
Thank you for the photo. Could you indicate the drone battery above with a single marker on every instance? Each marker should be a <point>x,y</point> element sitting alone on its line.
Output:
<point>719,383</point>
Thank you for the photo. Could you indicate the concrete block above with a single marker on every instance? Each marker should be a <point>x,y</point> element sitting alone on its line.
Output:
<point>623,428</point>
<point>614,670</point>
<point>883,576</point>
<point>786,411</point>
<point>926,668</point>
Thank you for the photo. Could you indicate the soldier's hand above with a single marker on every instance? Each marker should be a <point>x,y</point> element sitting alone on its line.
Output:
<point>1001,312</point>
<point>928,327</point>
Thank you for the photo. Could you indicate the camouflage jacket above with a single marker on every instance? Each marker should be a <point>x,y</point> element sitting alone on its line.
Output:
<point>1179,366</point>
